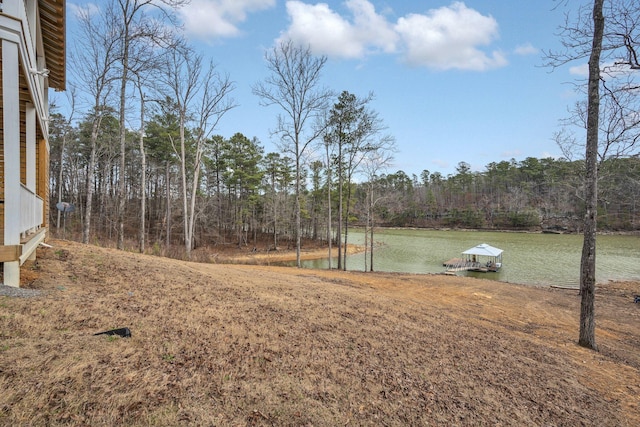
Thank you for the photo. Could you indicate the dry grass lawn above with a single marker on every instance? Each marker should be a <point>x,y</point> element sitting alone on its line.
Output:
<point>237,345</point>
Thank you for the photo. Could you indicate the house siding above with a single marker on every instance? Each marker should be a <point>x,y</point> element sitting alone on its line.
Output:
<point>32,59</point>
<point>1,157</point>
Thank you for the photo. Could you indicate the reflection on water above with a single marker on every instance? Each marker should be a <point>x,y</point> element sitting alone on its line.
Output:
<point>536,259</point>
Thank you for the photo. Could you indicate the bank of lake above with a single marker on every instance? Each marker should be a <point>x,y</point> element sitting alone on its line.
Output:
<point>529,258</point>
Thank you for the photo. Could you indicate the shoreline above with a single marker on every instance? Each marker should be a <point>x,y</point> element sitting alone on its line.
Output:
<point>497,230</point>
<point>283,256</point>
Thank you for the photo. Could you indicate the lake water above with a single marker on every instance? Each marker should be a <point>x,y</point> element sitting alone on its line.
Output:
<point>528,258</point>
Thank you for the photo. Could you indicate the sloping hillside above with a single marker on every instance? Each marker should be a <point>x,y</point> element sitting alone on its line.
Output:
<point>250,345</point>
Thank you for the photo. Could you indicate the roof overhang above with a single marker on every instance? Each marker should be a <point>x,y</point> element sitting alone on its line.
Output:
<point>53,26</point>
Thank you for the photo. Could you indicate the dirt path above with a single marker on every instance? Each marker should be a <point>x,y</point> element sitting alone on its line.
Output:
<point>220,344</point>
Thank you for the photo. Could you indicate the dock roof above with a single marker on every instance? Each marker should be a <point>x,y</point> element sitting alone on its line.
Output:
<point>483,249</point>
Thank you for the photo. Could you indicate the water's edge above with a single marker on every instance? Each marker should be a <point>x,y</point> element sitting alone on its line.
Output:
<point>529,258</point>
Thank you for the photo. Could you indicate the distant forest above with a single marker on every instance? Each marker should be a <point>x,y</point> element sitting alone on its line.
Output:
<point>245,196</point>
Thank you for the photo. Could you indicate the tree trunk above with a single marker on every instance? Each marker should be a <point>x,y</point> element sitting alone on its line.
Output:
<point>168,189</point>
<point>298,220</point>
<point>86,226</point>
<point>371,225</point>
<point>121,175</point>
<point>275,221</point>
<point>329,236</point>
<point>194,195</point>
<point>143,177</point>
<point>371,243</point>
<point>183,173</point>
<point>588,262</point>
<point>366,233</point>
<point>346,222</point>
<point>344,249</point>
<point>340,185</point>
<point>64,143</point>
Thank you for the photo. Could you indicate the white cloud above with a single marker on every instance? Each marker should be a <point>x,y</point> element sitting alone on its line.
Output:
<point>581,70</point>
<point>443,164</point>
<point>88,9</point>
<point>324,30</point>
<point>445,38</point>
<point>526,49</point>
<point>372,27</point>
<point>511,154</point>
<point>328,33</point>
<point>218,18</point>
<point>448,38</point>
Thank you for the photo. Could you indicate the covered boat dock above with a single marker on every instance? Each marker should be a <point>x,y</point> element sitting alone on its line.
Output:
<point>483,258</point>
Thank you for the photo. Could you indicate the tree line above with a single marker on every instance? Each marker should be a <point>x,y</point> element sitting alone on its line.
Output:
<point>533,194</point>
<point>244,195</point>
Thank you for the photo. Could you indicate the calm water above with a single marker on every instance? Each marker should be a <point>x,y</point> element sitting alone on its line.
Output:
<point>536,259</point>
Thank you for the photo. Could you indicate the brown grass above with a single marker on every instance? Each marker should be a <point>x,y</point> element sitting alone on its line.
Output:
<point>257,345</point>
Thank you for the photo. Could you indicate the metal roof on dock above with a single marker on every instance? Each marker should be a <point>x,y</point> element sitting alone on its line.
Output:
<point>483,249</point>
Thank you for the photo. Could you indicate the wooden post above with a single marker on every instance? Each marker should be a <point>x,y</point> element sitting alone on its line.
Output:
<point>30,134</point>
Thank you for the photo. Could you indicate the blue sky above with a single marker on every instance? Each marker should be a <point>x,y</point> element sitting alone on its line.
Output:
<point>453,81</point>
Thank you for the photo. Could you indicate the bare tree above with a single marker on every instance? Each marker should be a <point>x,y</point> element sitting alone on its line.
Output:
<point>587,336</point>
<point>374,162</point>
<point>66,129</point>
<point>619,122</point>
<point>145,61</point>
<point>294,86</point>
<point>136,32</point>
<point>201,97</point>
<point>606,34</point>
<point>143,168</point>
<point>94,60</point>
